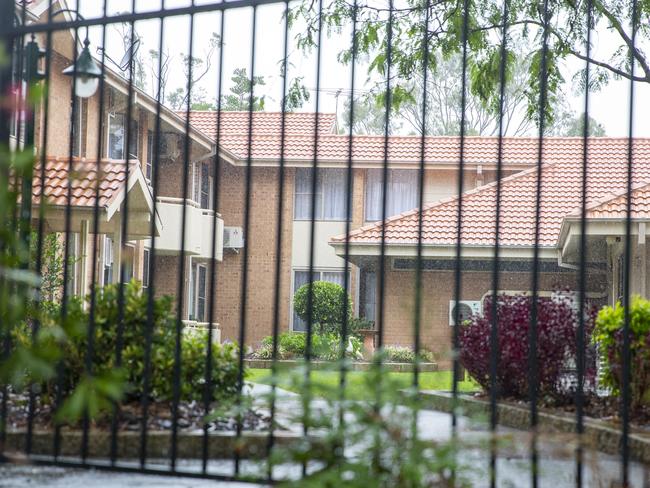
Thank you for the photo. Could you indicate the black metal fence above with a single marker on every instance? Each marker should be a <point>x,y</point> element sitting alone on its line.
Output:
<point>49,202</point>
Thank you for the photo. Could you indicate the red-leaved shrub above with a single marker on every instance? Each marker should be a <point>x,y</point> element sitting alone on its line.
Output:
<point>557,323</point>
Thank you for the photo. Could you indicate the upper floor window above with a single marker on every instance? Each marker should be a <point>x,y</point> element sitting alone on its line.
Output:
<point>117,137</point>
<point>148,165</point>
<point>401,188</point>
<point>78,127</point>
<point>202,185</point>
<point>330,198</point>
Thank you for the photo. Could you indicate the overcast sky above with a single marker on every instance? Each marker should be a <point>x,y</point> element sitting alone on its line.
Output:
<point>609,106</point>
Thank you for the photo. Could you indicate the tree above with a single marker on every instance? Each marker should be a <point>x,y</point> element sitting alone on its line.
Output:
<point>239,97</point>
<point>195,68</point>
<point>573,126</point>
<point>564,24</point>
<point>369,117</point>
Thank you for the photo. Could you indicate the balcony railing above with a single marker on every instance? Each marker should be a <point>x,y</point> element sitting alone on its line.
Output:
<point>198,229</point>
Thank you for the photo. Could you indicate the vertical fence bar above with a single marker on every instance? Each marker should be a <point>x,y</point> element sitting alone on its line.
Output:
<point>66,250</point>
<point>247,218</point>
<point>458,275</point>
<point>348,225</point>
<point>278,245</point>
<point>581,342</point>
<point>494,331</point>
<point>532,356</point>
<point>151,289</point>
<point>626,397</point>
<point>92,323</point>
<point>7,45</point>
<point>417,313</point>
<point>40,226</point>
<point>176,394</point>
<point>315,177</point>
<point>123,238</point>
<point>209,387</point>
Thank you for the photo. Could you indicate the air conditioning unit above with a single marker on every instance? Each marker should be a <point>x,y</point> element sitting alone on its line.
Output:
<point>233,238</point>
<point>466,308</point>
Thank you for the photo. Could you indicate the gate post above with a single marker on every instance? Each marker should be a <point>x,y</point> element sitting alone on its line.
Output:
<point>7,16</point>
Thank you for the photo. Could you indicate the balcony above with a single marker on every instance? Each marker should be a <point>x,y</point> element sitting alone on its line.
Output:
<point>198,229</point>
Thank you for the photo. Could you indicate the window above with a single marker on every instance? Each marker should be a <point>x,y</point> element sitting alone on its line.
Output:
<point>148,165</point>
<point>146,260</point>
<point>198,292</point>
<point>402,192</point>
<point>78,127</point>
<point>128,258</point>
<point>117,137</point>
<point>107,273</point>
<point>202,185</point>
<point>367,294</point>
<point>73,264</point>
<point>301,278</point>
<point>331,197</point>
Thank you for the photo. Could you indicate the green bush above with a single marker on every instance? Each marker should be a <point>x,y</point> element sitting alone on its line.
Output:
<point>163,342</point>
<point>292,345</point>
<point>608,338</point>
<point>327,302</point>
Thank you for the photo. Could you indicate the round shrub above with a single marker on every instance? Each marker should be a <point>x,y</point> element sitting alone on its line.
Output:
<point>557,323</point>
<point>608,337</point>
<point>327,302</point>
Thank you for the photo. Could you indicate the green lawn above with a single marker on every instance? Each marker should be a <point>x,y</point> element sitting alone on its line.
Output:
<point>357,388</point>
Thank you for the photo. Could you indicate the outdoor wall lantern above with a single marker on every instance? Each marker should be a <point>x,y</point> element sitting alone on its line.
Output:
<point>86,73</point>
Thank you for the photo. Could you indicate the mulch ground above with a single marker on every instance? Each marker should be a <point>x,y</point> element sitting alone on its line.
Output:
<point>190,417</point>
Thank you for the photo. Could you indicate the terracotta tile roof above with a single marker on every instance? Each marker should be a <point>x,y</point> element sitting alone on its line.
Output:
<point>438,150</point>
<point>84,181</point>
<point>264,123</point>
<point>561,197</point>
<point>615,206</point>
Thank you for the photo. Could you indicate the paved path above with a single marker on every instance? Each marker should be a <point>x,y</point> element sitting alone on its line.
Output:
<point>557,468</point>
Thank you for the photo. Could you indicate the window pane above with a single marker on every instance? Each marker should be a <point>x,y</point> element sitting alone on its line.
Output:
<point>134,142</point>
<point>302,210</point>
<point>201,294</point>
<point>402,191</point>
<point>367,294</point>
<point>145,268</point>
<point>374,190</point>
<point>205,186</point>
<point>116,136</point>
<point>149,162</point>
<point>334,190</point>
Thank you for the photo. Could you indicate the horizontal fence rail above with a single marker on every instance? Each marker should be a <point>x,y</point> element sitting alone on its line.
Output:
<point>347,232</point>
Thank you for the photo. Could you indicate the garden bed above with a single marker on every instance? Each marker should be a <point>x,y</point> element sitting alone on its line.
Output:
<point>190,417</point>
<point>329,365</point>
<point>603,435</point>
